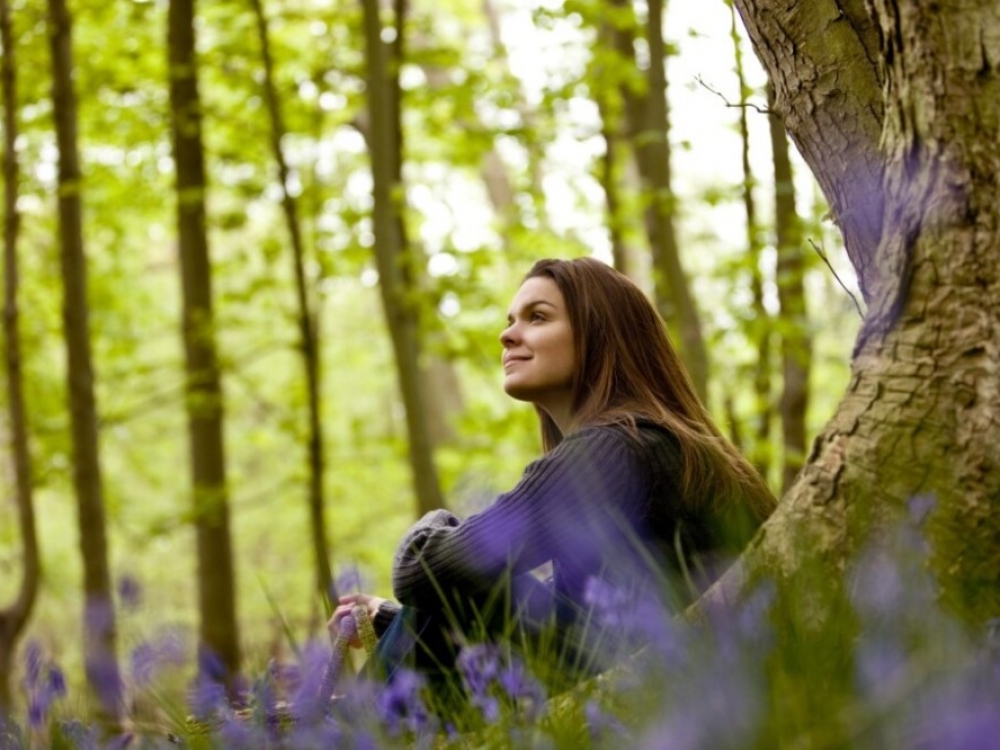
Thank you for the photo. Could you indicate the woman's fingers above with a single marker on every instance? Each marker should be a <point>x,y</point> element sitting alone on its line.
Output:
<point>342,611</point>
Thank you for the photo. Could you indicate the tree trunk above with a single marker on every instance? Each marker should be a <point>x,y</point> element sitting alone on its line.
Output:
<point>14,617</point>
<point>219,634</point>
<point>907,96</point>
<point>308,340</point>
<point>796,344</point>
<point>99,618</point>
<point>394,267</point>
<point>759,329</point>
<point>648,123</point>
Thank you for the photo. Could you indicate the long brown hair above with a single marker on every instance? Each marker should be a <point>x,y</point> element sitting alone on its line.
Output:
<point>626,368</point>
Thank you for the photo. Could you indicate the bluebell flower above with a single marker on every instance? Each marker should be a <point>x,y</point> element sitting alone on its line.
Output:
<point>350,581</point>
<point>479,666</point>
<point>102,673</point>
<point>610,604</point>
<point>919,507</point>
<point>56,682</point>
<point>33,658</point>
<point>400,705</point>
<point>310,700</point>
<point>79,736</point>
<point>322,735</point>
<point>129,592</point>
<point>237,734</point>
<point>599,721</point>
<point>523,689</point>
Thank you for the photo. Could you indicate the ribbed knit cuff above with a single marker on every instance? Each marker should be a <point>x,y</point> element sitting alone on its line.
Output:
<point>384,616</point>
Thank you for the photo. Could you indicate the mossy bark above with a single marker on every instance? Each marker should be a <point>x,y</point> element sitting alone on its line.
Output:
<point>901,134</point>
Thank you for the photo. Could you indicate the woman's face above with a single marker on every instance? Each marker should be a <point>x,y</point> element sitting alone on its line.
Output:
<point>538,351</point>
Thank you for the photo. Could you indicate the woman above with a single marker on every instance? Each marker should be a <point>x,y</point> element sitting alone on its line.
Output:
<point>637,487</point>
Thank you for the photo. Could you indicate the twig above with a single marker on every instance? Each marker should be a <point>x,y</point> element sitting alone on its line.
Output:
<point>854,299</point>
<point>761,110</point>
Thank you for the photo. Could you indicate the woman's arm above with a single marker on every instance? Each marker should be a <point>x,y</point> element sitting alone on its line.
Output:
<point>555,511</point>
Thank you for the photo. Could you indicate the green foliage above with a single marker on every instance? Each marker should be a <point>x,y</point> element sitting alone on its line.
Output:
<point>468,97</point>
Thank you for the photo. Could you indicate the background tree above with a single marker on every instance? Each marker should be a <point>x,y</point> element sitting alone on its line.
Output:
<point>219,633</point>
<point>395,266</point>
<point>647,120</point>
<point>309,341</point>
<point>14,617</point>
<point>99,615</point>
<point>758,320</point>
<point>796,345</point>
<point>896,113</point>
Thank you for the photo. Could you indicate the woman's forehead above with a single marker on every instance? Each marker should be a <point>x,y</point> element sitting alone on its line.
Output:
<point>537,290</point>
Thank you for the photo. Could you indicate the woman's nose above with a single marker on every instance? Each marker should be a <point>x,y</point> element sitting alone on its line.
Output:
<point>507,335</point>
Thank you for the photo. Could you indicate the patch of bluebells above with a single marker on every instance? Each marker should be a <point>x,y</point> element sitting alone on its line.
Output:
<point>490,681</point>
<point>44,684</point>
<point>919,679</point>
<point>401,707</point>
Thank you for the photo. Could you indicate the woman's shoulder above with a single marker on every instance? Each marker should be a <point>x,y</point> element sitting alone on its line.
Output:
<point>635,429</point>
<point>640,436</point>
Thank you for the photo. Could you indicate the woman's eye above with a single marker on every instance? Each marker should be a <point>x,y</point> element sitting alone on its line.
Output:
<point>536,316</point>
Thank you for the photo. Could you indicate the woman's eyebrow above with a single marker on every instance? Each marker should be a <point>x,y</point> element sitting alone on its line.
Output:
<point>529,306</point>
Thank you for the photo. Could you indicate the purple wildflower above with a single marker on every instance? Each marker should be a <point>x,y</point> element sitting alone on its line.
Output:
<point>523,689</point>
<point>919,507</point>
<point>400,705</point>
<point>609,603</point>
<point>235,734</point>
<point>79,736</point>
<point>479,666</point>
<point>144,659</point>
<point>599,721</point>
<point>206,697</point>
<point>32,664</point>
<point>880,665</point>
<point>57,682</point>
<point>349,581</point>
<point>309,701</point>
<point>129,592</point>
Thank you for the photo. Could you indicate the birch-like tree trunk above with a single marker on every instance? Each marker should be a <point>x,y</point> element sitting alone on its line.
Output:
<point>395,268</point>
<point>14,617</point>
<point>308,340</point>
<point>100,652</point>
<point>896,107</point>
<point>218,631</point>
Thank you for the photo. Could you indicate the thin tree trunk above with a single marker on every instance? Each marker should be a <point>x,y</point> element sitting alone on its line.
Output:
<point>308,340</point>
<point>611,128</point>
<point>99,617</point>
<point>760,327</point>
<point>647,119</point>
<point>796,344</point>
<point>219,634</point>
<point>14,617</point>
<point>394,268</point>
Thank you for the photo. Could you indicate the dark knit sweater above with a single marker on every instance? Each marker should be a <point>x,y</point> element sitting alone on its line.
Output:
<point>605,504</point>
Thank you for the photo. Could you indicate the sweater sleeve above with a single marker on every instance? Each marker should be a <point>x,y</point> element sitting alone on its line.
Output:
<point>553,512</point>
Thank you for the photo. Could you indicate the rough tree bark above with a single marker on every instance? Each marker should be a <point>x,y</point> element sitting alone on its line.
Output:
<point>394,267</point>
<point>796,343</point>
<point>309,342</point>
<point>219,634</point>
<point>15,616</point>
<point>100,652</point>
<point>896,108</point>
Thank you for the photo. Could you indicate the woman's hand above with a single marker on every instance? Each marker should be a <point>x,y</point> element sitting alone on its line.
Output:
<point>344,607</point>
